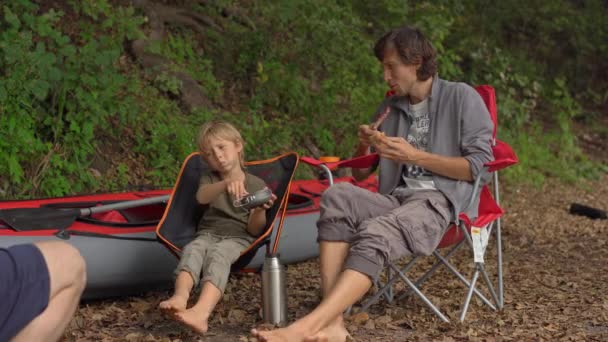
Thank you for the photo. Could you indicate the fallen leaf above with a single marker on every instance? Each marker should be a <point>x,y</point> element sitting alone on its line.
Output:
<point>360,318</point>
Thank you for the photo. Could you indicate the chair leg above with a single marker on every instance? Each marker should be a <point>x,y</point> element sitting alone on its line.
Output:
<point>432,270</point>
<point>383,291</point>
<point>420,294</point>
<point>469,295</point>
<point>501,298</point>
<point>466,282</point>
<point>443,260</point>
<point>373,299</point>
<point>387,286</point>
<point>489,284</point>
<point>470,285</point>
<point>499,246</point>
<point>388,294</point>
<point>478,268</point>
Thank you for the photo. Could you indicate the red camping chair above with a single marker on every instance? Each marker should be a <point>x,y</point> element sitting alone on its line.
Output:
<point>475,233</point>
<point>179,223</point>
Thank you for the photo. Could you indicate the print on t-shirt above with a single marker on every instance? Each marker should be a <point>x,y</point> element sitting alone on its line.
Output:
<point>414,176</point>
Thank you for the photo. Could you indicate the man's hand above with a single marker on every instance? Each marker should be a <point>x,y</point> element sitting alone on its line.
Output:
<point>365,135</point>
<point>397,149</point>
<point>369,133</point>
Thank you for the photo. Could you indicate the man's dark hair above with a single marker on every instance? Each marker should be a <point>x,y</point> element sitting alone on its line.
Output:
<point>412,47</point>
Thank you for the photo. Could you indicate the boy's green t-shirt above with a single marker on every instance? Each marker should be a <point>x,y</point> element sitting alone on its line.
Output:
<point>222,217</point>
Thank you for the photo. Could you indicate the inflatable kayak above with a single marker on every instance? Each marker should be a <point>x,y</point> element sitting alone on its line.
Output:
<point>120,246</point>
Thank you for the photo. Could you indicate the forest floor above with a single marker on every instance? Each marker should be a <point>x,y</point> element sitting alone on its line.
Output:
<point>555,278</point>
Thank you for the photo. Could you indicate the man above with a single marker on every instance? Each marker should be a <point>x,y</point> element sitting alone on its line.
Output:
<point>40,287</point>
<point>432,145</point>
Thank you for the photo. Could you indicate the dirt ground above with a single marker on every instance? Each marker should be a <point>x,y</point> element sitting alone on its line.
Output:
<point>556,287</point>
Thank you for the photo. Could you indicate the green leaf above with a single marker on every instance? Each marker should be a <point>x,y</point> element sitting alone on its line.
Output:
<point>68,51</point>
<point>40,89</point>
<point>74,127</point>
<point>14,168</point>
<point>11,18</point>
<point>47,59</point>
<point>54,74</point>
<point>3,95</point>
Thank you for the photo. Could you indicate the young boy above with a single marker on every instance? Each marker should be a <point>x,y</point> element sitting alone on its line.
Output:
<point>224,230</point>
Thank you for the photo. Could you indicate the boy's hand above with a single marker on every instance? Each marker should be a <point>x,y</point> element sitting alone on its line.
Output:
<point>270,202</point>
<point>236,188</point>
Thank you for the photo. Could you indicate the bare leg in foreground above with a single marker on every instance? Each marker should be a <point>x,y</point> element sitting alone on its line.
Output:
<point>68,278</point>
<point>197,317</point>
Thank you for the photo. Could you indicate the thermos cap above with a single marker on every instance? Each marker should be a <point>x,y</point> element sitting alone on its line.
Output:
<point>272,262</point>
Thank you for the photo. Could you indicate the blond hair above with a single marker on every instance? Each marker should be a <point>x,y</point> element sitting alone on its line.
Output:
<point>220,130</point>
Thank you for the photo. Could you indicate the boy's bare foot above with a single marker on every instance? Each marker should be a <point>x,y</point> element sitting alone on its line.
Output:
<point>174,304</point>
<point>195,320</point>
<point>331,333</point>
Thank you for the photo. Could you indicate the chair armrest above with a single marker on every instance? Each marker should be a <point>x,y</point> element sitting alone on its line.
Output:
<point>504,156</point>
<point>360,162</point>
<point>356,163</point>
<point>476,186</point>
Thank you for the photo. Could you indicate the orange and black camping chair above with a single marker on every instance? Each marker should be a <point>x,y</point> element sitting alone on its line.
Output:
<point>179,223</point>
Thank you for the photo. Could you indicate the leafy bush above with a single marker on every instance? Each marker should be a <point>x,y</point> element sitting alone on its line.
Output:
<point>78,115</point>
<point>61,94</point>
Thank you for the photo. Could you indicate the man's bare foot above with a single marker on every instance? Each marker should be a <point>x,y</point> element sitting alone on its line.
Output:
<point>331,333</point>
<point>174,304</point>
<point>196,320</point>
<point>289,334</point>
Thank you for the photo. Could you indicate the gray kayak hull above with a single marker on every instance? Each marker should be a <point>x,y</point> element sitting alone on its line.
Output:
<point>118,268</point>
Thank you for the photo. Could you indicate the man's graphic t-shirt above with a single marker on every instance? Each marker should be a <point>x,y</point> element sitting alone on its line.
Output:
<point>416,177</point>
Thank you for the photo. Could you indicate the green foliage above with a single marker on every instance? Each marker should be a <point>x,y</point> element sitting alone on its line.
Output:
<point>301,73</point>
<point>167,83</point>
<point>182,49</point>
<point>60,97</point>
<point>163,136</point>
<point>312,67</point>
<point>539,58</point>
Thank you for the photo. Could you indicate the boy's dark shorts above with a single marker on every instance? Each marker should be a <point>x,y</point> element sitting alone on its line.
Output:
<point>24,288</point>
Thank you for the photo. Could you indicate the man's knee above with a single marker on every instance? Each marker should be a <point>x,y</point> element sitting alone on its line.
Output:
<point>64,261</point>
<point>336,202</point>
<point>372,243</point>
<point>337,193</point>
